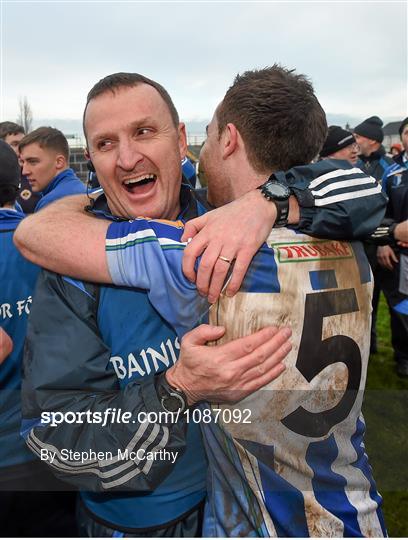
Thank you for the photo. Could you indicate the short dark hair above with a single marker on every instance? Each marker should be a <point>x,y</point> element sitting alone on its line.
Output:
<point>278,116</point>
<point>113,82</point>
<point>47,137</point>
<point>10,174</point>
<point>8,194</point>
<point>10,128</point>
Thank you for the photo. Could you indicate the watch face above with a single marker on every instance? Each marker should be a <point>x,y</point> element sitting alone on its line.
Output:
<point>277,191</point>
<point>173,403</point>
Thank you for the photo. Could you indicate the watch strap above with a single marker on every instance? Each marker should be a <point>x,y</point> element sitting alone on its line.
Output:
<point>282,206</point>
<point>282,215</point>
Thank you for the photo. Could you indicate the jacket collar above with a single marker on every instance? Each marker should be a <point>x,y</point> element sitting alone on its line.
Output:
<point>378,154</point>
<point>190,207</point>
<point>67,174</point>
<point>10,217</point>
<point>402,159</point>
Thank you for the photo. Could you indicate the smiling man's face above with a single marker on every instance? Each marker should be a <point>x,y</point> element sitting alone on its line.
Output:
<point>136,150</point>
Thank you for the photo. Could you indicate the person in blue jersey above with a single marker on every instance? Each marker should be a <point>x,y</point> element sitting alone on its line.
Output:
<point>170,292</point>
<point>393,258</point>
<point>22,512</point>
<point>44,156</point>
<point>88,351</point>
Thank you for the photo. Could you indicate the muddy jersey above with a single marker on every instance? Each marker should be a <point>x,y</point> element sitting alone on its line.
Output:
<point>289,460</point>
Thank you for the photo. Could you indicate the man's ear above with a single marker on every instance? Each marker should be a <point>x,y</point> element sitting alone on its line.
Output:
<point>86,154</point>
<point>229,140</point>
<point>60,162</point>
<point>182,140</point>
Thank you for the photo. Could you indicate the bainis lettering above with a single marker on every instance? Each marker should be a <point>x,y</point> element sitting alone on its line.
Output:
<point>149,360</point>
<point>312,251</point>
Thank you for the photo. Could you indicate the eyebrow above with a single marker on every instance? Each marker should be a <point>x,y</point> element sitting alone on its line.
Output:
<point>148,120</point>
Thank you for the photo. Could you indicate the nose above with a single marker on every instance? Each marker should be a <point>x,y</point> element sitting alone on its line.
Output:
<point>129,155</point>
<point>26,170</point>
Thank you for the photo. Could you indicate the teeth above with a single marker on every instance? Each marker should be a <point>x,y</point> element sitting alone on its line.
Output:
<point>131,181</point>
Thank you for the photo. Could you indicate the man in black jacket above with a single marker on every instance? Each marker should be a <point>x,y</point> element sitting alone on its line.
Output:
<point>393,259</point>
<point>373,160</point>
<point>369,136</point>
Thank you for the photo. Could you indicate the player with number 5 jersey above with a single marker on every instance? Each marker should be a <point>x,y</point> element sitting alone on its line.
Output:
<point>298,467</point>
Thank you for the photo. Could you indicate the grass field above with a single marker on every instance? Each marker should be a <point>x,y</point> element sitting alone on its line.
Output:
<point>386,414</point>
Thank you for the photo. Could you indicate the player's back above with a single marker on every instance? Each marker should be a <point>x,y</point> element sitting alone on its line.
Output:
<point>289,460</point>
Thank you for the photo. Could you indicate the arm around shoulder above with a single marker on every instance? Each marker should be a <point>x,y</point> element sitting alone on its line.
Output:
<point>64,238</point>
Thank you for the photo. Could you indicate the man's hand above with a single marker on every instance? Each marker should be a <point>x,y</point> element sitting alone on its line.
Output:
<point>386,257</point>
<point>235,232</point>
<point>228,372</point>
<point>401,233</point>
<point>6,345</point>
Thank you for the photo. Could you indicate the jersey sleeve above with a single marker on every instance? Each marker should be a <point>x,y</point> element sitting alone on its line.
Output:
<point>147,254</point>
<point>336,200</point>
<point>65,372</point>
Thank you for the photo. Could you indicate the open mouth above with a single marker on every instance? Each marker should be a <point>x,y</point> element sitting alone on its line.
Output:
<point>140,184</point>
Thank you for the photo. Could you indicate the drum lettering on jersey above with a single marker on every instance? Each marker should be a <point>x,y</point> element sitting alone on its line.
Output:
<point>271,463</point>
<point>329,351</point>
<point>312,251</point>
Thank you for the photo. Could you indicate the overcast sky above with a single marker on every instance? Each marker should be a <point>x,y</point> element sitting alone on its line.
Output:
<point>354,52</point>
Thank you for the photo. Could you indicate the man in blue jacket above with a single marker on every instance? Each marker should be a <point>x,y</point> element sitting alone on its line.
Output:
<point>44,154</point>
<point>393,258</point>
<point>87,329</point>
<point>45,514</point>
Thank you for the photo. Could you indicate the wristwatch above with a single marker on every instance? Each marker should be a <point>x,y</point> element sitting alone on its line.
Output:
<point>172,399</point>
<point>279,194</point>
